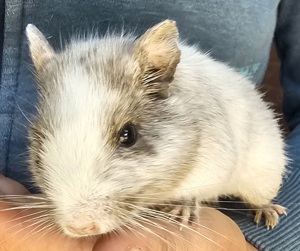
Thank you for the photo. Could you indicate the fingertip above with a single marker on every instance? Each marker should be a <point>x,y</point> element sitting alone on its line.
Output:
<point>11,187</point>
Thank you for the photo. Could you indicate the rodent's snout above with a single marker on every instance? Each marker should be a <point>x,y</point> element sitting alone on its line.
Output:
<point>81,220</point>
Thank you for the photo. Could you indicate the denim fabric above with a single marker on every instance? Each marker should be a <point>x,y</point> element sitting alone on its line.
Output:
<point>287,235</point>
<point>287,39</point>
<point>1,31</point>
<point>238,32</point>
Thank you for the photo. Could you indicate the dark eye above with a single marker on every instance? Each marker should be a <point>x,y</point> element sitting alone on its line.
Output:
<point>128,135</point>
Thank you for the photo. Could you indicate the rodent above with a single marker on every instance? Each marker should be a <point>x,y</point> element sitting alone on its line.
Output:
<point>124,122</point>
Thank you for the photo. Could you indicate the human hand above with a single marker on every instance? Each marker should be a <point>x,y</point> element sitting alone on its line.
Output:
<point>17,232</point>
<point>218,232</point>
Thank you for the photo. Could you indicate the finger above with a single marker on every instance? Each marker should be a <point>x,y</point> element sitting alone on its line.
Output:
<point>218,233</point>
<point>11,187</point>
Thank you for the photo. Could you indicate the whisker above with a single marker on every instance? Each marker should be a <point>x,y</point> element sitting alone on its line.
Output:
<point>177,235</point>
<point>142,227</point>
<point>200,234</point>
<point>25,207</point>
<point>17,232</point>
<point>144,219</point>
<point>29,121</point>
<point>44,230</point>
<point>14,196</point>
<point>28,220</point>
<point>135,223</point>
<point>162,216</point>
<point>52,229</point>
<point>14,218</point>
<point>33,231</point>
<point>166,216</point>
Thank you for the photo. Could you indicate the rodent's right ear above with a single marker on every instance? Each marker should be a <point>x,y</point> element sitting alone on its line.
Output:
<point>40,50</point>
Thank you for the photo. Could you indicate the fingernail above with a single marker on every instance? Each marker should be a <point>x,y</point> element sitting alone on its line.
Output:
<point>136,248</point>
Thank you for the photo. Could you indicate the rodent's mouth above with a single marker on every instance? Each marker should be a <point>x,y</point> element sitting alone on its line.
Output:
<point>82,232</point>
<point>77,236</point>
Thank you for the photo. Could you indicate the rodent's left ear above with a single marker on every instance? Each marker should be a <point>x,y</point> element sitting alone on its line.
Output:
<point>40,50</point>
<point>158,54</point>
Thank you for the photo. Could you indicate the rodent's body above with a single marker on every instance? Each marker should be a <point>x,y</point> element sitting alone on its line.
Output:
<point>240,148</point>
<point>202,130</point>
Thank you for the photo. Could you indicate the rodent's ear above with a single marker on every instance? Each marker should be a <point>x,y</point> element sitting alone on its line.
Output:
<point>40,50</point>
<point>158,54</point>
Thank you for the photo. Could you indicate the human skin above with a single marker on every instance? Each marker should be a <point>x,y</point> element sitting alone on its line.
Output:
<point>218,232</point>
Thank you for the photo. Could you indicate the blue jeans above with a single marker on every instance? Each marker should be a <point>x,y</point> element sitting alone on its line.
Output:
<point>238,32</point>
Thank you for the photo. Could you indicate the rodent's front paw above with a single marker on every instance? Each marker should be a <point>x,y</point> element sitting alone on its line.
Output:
<point>184,211</point>
<point>270,214</point>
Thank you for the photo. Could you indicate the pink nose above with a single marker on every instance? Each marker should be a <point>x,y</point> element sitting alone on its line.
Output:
<point>87,229</point>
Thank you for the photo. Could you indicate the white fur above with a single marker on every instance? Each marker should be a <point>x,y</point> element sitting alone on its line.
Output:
<point>253,162</point>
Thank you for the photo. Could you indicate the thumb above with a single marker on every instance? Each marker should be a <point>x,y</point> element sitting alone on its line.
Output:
<point>11,187</point>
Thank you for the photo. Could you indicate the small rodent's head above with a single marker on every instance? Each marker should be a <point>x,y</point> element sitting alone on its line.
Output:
<point>107,141</point>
